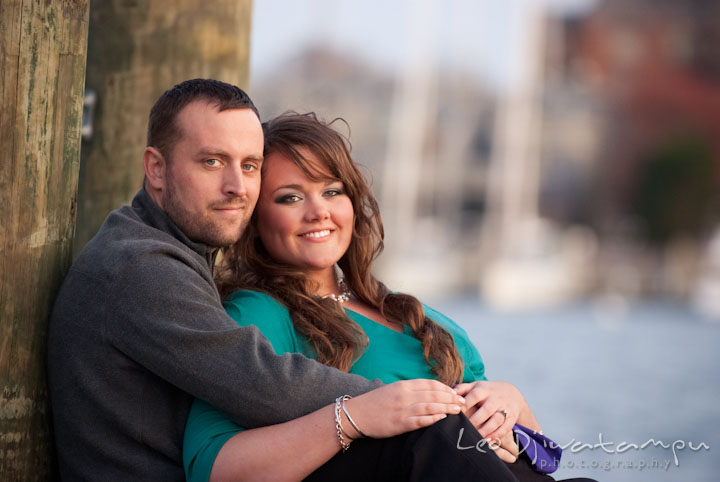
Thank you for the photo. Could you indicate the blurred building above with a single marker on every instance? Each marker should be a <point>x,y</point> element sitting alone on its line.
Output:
<point>333,85</point>
<point>654,66</point>
<point>632,135</point>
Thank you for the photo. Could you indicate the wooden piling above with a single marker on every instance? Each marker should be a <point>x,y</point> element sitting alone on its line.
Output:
<point>42,71</point>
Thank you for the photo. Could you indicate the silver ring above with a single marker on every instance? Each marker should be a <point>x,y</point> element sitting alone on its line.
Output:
<point>504,414</point>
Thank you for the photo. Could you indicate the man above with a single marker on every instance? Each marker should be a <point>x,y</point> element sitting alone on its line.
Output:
<point>138,329</point>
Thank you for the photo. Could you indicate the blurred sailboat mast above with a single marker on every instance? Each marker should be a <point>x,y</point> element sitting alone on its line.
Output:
<point>413,111</point>
<point>405,178</point>
<point>524,266</point>
<point>514,174</point>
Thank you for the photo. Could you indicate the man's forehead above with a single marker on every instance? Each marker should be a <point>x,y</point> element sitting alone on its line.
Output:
<point>198,108</point>
<point>199,113</point>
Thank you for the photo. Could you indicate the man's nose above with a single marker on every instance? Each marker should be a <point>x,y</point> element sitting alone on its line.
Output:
<point>234,181</point>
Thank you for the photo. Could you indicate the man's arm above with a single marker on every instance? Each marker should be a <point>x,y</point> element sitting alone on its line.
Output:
<point>174,325</point>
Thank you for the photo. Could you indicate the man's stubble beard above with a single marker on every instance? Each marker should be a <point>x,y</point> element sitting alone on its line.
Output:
<point>203,229</point>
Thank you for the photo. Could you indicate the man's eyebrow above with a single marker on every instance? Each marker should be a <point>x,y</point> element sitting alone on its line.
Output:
<point>210,151</point>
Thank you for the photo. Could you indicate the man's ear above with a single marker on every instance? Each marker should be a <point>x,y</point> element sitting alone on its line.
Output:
<point>155,168</point>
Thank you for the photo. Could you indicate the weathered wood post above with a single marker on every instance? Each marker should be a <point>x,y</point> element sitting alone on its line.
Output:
<point>42,72</point>
<point>137,50</point>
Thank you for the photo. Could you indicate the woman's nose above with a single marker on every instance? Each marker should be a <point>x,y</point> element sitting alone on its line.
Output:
<point>316,211</point>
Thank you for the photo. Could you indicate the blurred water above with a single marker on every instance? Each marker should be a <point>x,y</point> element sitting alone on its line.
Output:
<point>629,372</point>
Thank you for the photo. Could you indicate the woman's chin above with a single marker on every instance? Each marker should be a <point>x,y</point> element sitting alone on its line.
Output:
<point>319,265</point>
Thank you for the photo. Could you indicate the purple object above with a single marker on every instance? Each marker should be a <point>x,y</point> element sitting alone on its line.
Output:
<point>544,454</point>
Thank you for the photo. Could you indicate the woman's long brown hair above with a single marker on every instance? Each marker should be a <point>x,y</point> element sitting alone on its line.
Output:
<point>338,341</point>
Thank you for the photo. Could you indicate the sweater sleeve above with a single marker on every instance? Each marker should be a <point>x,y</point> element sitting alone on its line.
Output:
<point>474,366</point>
<point>169,319</point>
<point>208,428</point>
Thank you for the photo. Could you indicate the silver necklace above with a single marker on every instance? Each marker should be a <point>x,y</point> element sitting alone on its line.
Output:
<point>344,292</point>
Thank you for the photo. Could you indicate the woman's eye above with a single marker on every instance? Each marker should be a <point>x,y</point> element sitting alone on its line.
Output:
<point>288,199</point>
<point>333,192</point>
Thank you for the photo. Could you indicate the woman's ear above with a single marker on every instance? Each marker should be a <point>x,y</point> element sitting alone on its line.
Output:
<point>155,168</point>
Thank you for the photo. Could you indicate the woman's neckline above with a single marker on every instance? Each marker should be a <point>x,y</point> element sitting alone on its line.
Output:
<point>373,321</point>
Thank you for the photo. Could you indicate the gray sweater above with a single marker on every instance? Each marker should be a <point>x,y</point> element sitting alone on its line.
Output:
<point>137,331</point>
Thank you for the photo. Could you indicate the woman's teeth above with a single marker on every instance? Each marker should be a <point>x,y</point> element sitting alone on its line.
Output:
<point>318,234</point>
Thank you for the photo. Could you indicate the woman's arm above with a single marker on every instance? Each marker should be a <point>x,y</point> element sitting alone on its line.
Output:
<point>294,449</point>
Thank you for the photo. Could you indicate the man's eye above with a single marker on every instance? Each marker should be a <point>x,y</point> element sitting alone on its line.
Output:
<point>249,167</point>
<point>212,162</point>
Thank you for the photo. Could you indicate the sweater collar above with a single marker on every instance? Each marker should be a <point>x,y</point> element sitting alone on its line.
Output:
<point>154,216</point>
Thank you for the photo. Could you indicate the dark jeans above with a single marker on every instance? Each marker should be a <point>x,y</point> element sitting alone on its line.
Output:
<point>428,454</point>
<point>523,471</point>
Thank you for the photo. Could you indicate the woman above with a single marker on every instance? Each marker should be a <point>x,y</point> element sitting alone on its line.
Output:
<point>301,273</point>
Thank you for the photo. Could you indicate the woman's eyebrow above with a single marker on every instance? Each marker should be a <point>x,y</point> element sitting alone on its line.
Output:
<point>288,186</point>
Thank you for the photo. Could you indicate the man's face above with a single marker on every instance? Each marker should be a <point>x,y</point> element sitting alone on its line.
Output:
<point>213,173</point>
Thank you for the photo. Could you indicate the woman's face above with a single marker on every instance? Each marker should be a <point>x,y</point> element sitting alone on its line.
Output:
<point>304,223</point>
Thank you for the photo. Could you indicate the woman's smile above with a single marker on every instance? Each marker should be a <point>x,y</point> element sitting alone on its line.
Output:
<point>317,235</point>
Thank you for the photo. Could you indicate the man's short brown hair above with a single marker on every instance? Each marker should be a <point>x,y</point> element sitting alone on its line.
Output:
<point>163,131</point>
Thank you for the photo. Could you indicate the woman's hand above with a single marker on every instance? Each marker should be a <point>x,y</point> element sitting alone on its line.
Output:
<point>485,402</point>
<point>506,448</point>
<point>401,407</point>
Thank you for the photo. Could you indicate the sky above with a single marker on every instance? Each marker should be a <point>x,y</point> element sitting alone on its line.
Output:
<point>481,37</point>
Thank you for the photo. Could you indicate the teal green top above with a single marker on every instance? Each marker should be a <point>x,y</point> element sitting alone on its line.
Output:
<point>389,356</point>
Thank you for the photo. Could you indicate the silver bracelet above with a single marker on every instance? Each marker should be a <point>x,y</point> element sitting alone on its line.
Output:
<point>338,425</point>
<point>347,414</point>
